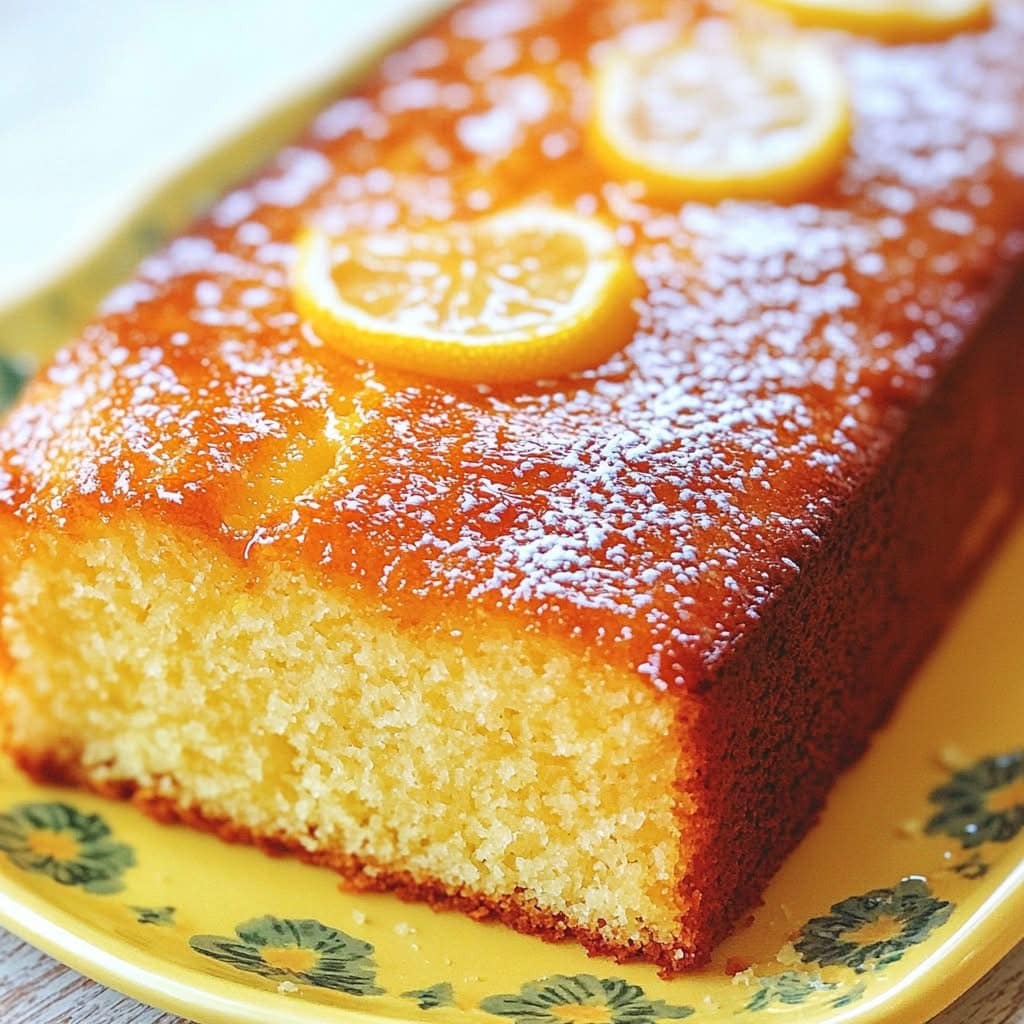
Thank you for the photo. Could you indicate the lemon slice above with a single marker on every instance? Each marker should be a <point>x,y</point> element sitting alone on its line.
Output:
<point>723,114</point>
<point>895,21</point>
<point>528,293</point>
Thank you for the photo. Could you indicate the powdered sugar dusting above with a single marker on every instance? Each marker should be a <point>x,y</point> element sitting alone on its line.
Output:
<point>650,507</point>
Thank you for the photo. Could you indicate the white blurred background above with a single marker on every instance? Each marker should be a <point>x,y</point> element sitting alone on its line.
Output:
<point>101,98</point>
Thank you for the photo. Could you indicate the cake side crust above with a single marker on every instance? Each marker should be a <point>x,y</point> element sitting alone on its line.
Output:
<point>798,700</point>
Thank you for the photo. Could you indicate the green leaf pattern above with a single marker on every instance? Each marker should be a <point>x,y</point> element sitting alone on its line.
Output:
<point>965,812</point>
<point>13,375</point>
<point>552,1000</point>
<point>72,848</point>
<point>163,917</point>
<point>790,988</point>
<point>335,959</point>
<point>433,997</point>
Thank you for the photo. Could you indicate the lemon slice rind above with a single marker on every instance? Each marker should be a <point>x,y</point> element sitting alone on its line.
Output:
<point>824,135</point>
<point>919,21</point>
<point>596,322</point>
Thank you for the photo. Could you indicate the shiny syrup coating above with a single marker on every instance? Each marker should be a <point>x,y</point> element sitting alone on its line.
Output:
<point>648,508</point>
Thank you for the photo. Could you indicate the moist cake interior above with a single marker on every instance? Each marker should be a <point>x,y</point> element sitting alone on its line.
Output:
<point>471,760</point>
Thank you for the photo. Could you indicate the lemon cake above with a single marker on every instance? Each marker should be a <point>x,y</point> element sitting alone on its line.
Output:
<point>529,491</point>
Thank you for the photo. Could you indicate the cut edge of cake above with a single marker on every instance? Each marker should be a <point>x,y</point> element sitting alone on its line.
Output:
<point>469,765</point>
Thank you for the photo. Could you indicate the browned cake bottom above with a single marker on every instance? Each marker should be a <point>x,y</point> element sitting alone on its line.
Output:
<point>360,875</point>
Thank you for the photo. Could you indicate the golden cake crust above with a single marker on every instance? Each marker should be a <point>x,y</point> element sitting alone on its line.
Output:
<point>651,508</point>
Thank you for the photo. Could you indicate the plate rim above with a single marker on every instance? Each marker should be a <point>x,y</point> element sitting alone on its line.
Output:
<point>73,942</point>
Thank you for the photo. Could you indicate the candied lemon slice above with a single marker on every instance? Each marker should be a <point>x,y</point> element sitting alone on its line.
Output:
<point>723,114</point>
<point>528,293</point>
<point>895,21</point>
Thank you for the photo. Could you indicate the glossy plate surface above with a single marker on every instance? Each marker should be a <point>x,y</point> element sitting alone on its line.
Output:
<point>908,890</point>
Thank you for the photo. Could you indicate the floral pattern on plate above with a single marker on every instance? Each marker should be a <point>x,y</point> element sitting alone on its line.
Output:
<point>874,929</point>
<point>72,848</point>
<point>582,999</point>
<point>300,952</point>
<point>983,803</point>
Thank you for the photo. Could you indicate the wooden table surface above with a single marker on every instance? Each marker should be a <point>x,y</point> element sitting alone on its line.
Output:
<point>37,990</point>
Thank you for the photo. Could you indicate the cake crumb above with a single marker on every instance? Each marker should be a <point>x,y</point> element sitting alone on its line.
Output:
<point>359,917</point>
<point>745,977</point>
<point>404,928</point>
<point>787,956</point>
<point>287,988</point>
<point>952,757</point>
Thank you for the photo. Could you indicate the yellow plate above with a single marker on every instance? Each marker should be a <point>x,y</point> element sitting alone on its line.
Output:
<point>876,917</point>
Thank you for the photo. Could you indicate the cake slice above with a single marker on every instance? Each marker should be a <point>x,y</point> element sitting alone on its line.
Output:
<point>583,654</point>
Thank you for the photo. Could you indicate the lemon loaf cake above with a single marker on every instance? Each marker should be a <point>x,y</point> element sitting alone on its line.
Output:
<point>530,490</point>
